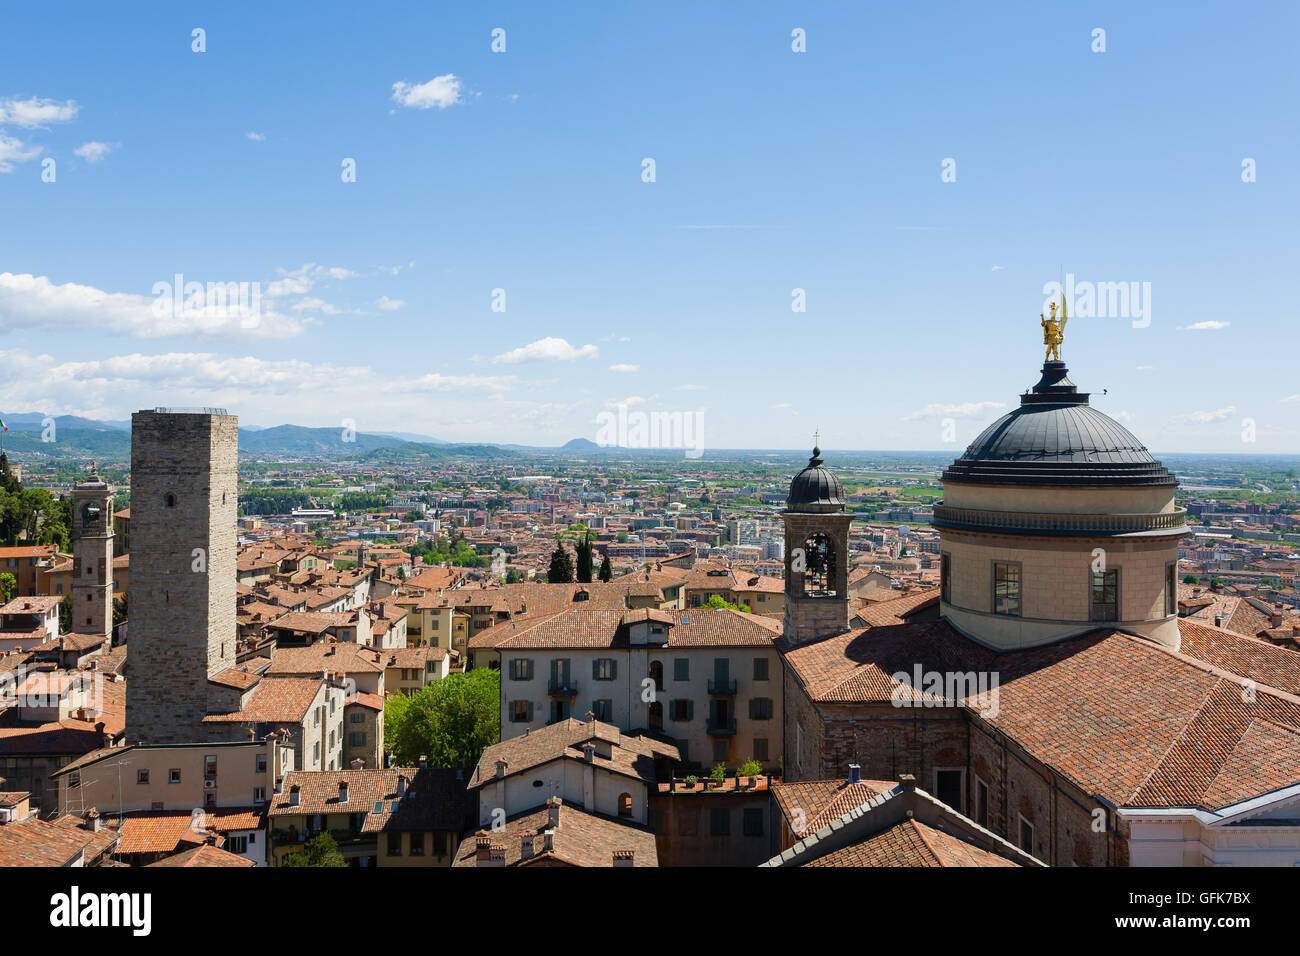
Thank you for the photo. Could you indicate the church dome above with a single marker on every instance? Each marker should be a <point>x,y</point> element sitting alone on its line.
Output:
<point>815,488</point>
<point>1056,438</point>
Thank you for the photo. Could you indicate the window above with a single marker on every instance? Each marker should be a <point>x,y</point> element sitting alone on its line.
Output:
<point>681,668</point>
<point>521,668</point>
<point>981,802</point>
<point>521,711</point>
<point>760,749</point>
<point>681,709</point>
<point>174,775</point>
<point>394,844</point>
<point>945,578</point>
<point>417,844</point>
<point>261,763</point>
<point>819,558</point>
<point>315,752</point>
<point>74,781</point>
<point>720,750</point>
<point>1104,600</point>
<point>948,787</point>
<point>209,766</point>
<point>1171,589</point>
<point>604,668</point>
<point>720,822</point>
<point>1006,588</point>
<point>357,718</point>
<point>142,776</point>
<point>560,710</point>
<point>625,804</point>
<point>236,844</point>
<point>1026,836</point>
<point>357,739</point>
<point>760,668</point>
<point>760,708</point>
<point>603,709</point>
<point>259,794</point>
<point>752,822</point>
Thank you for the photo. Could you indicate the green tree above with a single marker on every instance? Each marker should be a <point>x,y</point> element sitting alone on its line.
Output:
<point>65,614</point>
<point>1191,579</point>
<point>119,609</point>
<point>719,602</point>
<point>606,570</point>
<point>585,559</point>
<point>622,537</point>
<point>321,850</point>
<point>561,569</point>
<point>7,584</point>
<point>453,719</point>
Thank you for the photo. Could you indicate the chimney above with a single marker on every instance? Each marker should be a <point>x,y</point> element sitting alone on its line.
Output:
<point>855,773</point>
<point>548,841</point>
<point>907,782</point>
<point>502,766</point>
<point>343,791</point>
<point>589,752</point>
<point>482,850</point>
<point>1218,620</point>
<point>526,846</point>
<point>553,805</point>
<point>293,795</point>
<point>92,820</point>
<point>252,734</point>
<point>424,762</point>
<point>358,764</point>
<point>401,785</point>
<point>623,857</point>
<point>1275,618</point>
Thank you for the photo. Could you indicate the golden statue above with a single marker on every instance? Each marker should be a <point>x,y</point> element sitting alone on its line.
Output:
<point>1053,332</point>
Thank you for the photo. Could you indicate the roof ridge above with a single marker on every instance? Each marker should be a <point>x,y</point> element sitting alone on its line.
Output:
<point>924,839</point>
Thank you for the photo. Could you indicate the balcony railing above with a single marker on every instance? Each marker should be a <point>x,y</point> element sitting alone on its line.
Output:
<point>562,687</point>
<point>722,728</point>
<point>722,688</point>
<point>1030,522</point>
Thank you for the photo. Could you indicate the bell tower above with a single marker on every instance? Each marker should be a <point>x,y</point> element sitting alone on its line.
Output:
<point>92,556</point>
<point>816,555</point>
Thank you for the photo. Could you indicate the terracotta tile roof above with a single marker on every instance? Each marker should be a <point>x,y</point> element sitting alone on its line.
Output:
<point>629,756</point>
<point>206,855</point>
<point>885,613</point>
<point>412,657</point>
<point>581,839</point>
<point>816,803</point>
<point>37,843</point>
<point>434,800</point>
<point>595,628</point>
<point>1241,654</point>
<point>1121,717</point>
<point>911,843</point>
<point>336,657</point>
<point>274,699</point>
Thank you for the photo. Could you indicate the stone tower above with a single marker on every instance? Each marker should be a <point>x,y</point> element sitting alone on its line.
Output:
<point>183,549</point>
<point>816,555</point>
<point>92,556</point>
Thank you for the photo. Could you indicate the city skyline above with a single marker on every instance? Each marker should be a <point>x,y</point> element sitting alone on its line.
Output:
<point>517,178</point>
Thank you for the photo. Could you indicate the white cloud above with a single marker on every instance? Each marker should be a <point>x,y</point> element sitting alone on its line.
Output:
<point>546,350</point>
<point>256,137</point>
<point>631,402</point>
<point>15,151</point>
<point>997,268</point>
<point>1204,418</point>
<point>440,92</point>
<point>965,410</point>
<point>625,368</point>
<point>389,305</point>
<point>28,301</point>
<point>1204,326</point>
<point>783,405</point>
<point>1292,398</point>
<point>1145,368</point>
<point>94,151</point>
<point>312,304</point>
<point>32,112</point>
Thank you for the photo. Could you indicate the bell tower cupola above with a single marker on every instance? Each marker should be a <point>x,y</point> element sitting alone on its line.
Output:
<point>816,554</point>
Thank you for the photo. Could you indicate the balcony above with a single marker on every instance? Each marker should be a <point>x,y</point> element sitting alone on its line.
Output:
<point>1092,526</point>
<point>562,687</point>
<point>722,687</point>
<point>722,728</point>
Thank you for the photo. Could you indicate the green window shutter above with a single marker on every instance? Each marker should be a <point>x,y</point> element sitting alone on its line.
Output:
<point>613,669</point>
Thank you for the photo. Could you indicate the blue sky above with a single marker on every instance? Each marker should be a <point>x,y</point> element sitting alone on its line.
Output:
<point>774,170</point>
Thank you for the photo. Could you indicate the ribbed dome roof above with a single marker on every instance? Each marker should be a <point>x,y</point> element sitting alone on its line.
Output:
<point>815,488</point>
<point>1056,437</point>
